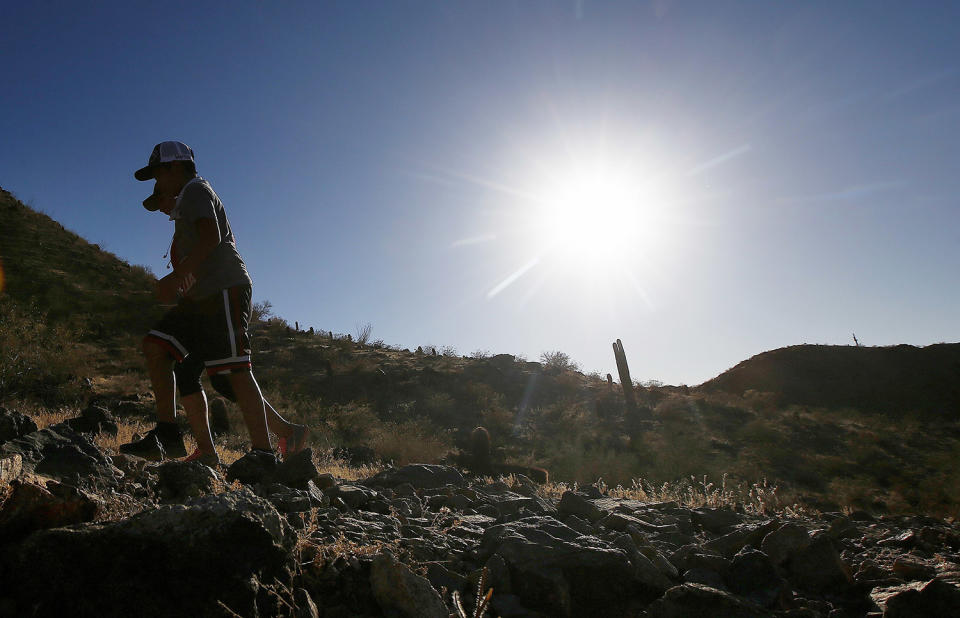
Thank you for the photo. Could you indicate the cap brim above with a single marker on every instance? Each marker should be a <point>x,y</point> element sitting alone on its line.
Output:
<point>152,203</point>
<point>144,173</point>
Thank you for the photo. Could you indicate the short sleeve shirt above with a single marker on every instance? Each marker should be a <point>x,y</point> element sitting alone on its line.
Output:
<point>223,268</point>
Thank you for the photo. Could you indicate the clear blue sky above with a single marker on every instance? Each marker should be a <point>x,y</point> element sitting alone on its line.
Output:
<point>733,176</point>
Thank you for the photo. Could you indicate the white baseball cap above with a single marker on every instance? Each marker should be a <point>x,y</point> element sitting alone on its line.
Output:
<point>164,152</point>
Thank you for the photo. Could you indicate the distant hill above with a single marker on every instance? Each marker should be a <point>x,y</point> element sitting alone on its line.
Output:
<point>891,379</point>
<point>72,281</point>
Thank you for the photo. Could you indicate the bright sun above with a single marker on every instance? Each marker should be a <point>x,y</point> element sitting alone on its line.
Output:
<point>587,221</point>
<point>591,219</point>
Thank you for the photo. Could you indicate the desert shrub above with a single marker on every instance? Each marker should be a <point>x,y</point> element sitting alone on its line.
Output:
<point>261,311</point>
<point>38,360</point>
<point>439,407</point>
<point>412,441</point>
<point>558,361</point>
<point>352,423</point>
<point>363,333</point>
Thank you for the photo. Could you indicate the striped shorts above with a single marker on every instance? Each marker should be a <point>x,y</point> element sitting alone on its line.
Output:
<point>212,329</point>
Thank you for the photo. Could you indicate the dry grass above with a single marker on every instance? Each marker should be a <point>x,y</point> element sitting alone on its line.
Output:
<point>759,497</point>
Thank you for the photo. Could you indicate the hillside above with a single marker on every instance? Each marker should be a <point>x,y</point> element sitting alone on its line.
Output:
<point>897,379</point>
<point>803,420</point>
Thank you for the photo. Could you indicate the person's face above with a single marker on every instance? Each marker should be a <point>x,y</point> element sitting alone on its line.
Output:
<point>166,177</point>
<point>166,199</point>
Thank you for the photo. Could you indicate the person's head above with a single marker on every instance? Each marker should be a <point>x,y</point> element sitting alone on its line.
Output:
<point>171,165</point>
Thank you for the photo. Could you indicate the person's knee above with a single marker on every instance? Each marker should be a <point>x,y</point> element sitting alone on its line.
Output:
<point>154,351</point>
<point>240,377</point>
<point>221,383</point>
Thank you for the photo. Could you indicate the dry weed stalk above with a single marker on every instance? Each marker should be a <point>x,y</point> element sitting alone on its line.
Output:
<point>483,599</point>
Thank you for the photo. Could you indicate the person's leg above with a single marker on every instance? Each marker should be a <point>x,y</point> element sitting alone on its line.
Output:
<point>160,370</point>
<point>194,401</point>
<point>250,400</point>
<point>165,439</point>
<point>195,406</point>
<point>291,436</point>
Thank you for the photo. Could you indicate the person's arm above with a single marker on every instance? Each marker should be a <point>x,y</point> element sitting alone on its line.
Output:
<point>208,237</point>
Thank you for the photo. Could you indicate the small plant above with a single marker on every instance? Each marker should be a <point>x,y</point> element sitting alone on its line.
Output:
<point>363,333</point>
<point>262,311</point>
<point>558,360</point>
<point>483,599</point>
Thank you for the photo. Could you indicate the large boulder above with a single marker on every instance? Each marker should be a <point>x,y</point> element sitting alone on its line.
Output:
<point>94,419</point>
<point>557,570</point>
<point>215,556</point>
<point>698,601</point>
<point>819,568</point>
<point>39,504</point>
<point>935,598</point>
<point>11,466</point>
<point>178,481</point>
<point>65,454</point>
<point>14,425</point>
<point>400,591</point>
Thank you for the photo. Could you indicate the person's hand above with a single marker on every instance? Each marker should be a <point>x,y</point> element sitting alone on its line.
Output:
<point>167,288</point>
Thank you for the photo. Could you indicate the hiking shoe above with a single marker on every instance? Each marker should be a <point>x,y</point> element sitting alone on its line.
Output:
<point>207,459</point>
<point>165,435</point>
<point>296,442</point>
<point>147,447</point>
<point>257,466</point>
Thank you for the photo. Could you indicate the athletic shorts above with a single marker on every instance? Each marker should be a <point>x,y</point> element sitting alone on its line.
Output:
<point>213,328</point>
<point>188,379</point>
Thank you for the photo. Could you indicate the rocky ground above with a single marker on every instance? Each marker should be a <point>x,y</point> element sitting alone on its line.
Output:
<point>87,534</point>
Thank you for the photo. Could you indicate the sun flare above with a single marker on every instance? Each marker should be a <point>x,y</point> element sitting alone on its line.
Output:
<point>589,216</point>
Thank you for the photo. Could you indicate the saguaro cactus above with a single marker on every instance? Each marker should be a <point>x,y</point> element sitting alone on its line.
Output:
<point>624,371</point>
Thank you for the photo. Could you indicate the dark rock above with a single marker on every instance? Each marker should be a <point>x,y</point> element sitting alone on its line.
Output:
<point>94,419</point>
<point>63,453</point>
<point>353,496</point>
<point>754,577</point>
<point>692,557</point>
<point>936,598</point>
<point>14,425</point>
<point>424,476</point>
<point>818,568</point>
<point>325,481</point>
<point>288,500</point>
<point>304,607</point>
<point>698,601</point>
<point>11,466</point>
<point>705,577</point>
<point>717,521</point>
<point>441,577</point>
<point>556,570</point>
<point>905,540</point>
<point>748,534</point>
<point>572,503</point>
<point>178,481</point>
<point>498,574</point>
<point>510,606</point>
<point>37,505</point>
<point>785,541</point>
<point>400,591</point>
<point>254,467</point>
<point>297,470</point>
<point>152,564</point>
<point>912,569</point>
